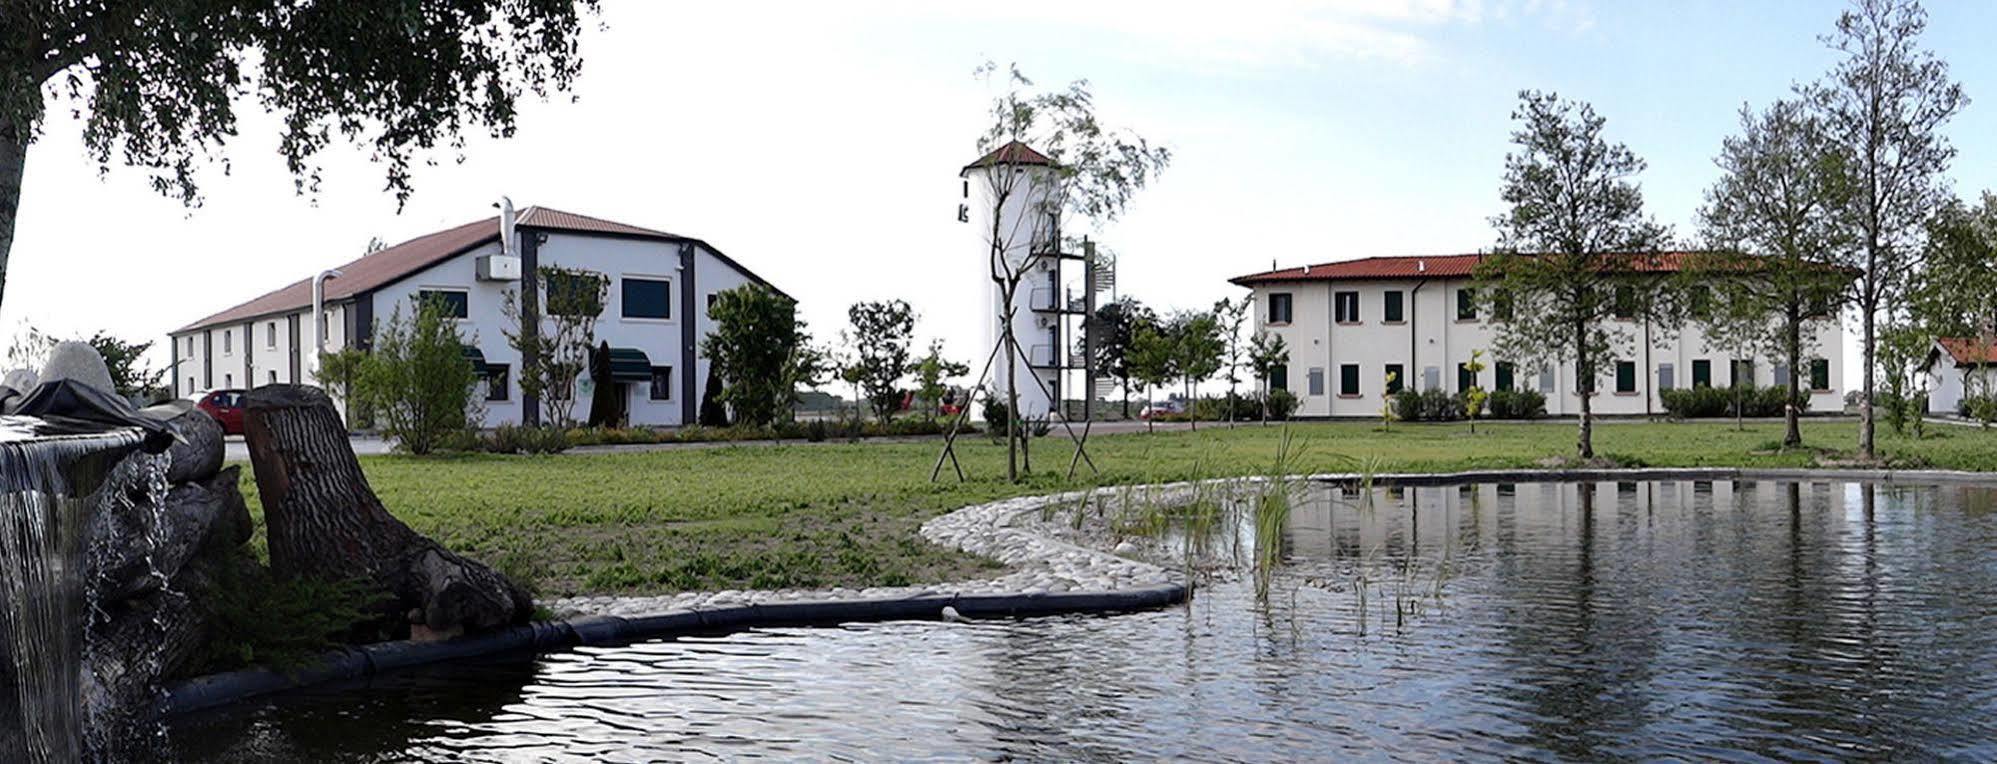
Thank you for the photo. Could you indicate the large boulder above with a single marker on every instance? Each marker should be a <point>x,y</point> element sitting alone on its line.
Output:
<point>197,448</point>
<point>80,362</point>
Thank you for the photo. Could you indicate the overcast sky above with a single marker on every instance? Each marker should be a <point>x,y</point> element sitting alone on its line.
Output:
<point>818,144</point>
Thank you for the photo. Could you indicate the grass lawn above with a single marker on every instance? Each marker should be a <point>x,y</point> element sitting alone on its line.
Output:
<point>822,515</point>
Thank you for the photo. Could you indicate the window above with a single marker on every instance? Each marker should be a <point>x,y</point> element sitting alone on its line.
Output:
<point>1625,301</point>
<point>1667,377</point>
<point>1702,373</point>
<point>228,342</point>
<point>1279,307</point>
<point>1743,373</point>
<point>1314,379</point>
<point>1279,377</point>
<point>662,383</point>
<point>1396,377</point>
<point>648,298</point>
<point>270,335</point>
<point>1781,374</point>
<point>1465,379</point>
<point>190,346</point>
<point>190,384</point>
<point>1546,380</point>
<point>574,293</point>
<point>1501,306</point>
<point>1346,307</point>
<point>1466,304</point>
<point>497,385</point>
<point>1393,311</point>
<point>1626,377</point>
<point>1431,378</point>
<point>1348,379</point>
<point>1701,302</point>
<point>1820,374</point>
<point>273,377</point>
<point>710,303</point>
<point>453,303</point>
<point>228,380</point>
<point>1507,376</point>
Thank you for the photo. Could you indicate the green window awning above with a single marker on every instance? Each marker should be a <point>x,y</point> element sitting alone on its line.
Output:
<point>477,359</point>
<point>630,365</point>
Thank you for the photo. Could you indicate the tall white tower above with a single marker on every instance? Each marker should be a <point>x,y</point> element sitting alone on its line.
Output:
<point>1009,206</point>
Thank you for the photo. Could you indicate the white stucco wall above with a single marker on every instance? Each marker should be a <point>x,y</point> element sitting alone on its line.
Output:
<point>1021,223</point>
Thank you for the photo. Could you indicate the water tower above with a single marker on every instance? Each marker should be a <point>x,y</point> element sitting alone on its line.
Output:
<point>1011,206</point>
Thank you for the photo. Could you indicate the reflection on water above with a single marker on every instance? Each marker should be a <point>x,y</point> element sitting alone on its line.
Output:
<point>1614,620</point>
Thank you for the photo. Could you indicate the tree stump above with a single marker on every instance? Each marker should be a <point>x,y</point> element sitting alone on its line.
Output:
<point>323,521</point>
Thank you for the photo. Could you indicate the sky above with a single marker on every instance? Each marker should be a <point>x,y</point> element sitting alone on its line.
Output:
<point>818,144</point>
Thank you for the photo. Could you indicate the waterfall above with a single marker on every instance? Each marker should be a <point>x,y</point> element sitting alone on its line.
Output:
<point>50,474</point>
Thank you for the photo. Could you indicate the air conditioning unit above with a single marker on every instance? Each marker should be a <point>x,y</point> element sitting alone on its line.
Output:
<point>498,268</point>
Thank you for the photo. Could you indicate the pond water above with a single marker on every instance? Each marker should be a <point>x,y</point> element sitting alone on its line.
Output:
<point>1543,621</point>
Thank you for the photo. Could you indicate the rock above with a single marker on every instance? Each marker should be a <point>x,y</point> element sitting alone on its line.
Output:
<point>21,380</point>
<point>197,448</point>
<point>198,516</point>
<point>80,362</point>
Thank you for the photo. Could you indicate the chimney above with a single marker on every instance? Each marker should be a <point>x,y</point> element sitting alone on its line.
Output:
<point>1421,266</point>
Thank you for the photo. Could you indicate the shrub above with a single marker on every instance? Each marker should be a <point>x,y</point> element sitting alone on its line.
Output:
<point>1282,404</point>
<point>1982,408</point>
<point>1518,404</point>
<point>1703,402</point>
<point>261,619</point>
<point>417,380</point>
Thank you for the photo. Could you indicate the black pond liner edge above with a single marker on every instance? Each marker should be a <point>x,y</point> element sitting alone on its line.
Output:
<point>215,690</point>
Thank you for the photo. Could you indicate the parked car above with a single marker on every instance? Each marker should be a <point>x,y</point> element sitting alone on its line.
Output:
<point>226,406</point>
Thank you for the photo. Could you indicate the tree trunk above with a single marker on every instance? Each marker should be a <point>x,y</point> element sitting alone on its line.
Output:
<point>13,160</point>
<point>1584,380</point>
<point>1865,413</point>
<point>1192,412</point>
<point>1792,426</point>
<point>323,521</point>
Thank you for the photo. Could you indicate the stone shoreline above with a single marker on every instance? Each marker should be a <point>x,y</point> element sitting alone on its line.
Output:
<point>1037,563</point>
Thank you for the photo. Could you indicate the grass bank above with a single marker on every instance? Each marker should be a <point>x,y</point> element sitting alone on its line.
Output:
<point>822,515</point>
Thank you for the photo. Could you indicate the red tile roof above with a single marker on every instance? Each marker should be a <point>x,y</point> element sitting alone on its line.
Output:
<point>1011,153</point>
<point>1968,351</point>
<point>1410,267</point>
<point>386,266</point>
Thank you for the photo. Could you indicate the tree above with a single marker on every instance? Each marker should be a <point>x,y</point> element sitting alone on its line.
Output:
<point>156,84</point>
<point>929,375</point>
<point>1090,171</point>
<point>1956,294</point>
<point>1153,357</point>
<point>1388,412</point>
<point>1770,278</point>
<point>1573,250</point>
<point>417,379</point>
<point>880,336</point>
<point>1882,107</point>
<point>1474,397</point>
<point>555,346</point>
<point>1116,327</point>
<point>338,373</point>
<point>1232,315</point>
<point>1903,349</point>
<point>1197,349</point>
<point>758,346</point>
<point>1266,353</point>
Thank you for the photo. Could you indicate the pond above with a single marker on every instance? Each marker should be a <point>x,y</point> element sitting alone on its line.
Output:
<point>1548,621</point>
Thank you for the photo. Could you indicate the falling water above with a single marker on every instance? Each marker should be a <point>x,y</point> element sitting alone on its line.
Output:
<point>49,474</point>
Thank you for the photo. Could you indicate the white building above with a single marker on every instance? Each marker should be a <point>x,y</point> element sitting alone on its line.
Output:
<point>1958,367</point>
<point>1008,203</point>
<point>653,318</point>
<point>1350,324</point>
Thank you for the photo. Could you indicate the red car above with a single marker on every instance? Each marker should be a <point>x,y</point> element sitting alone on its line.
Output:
<point>226,406</point>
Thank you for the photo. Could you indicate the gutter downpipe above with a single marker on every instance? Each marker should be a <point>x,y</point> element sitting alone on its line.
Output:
<point>319,318</point>
<point>1414,335</point>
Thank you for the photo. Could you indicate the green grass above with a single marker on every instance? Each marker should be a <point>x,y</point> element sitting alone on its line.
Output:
<point>823,515</point>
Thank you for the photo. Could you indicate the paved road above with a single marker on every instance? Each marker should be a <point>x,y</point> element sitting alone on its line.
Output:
<point>234,449</point>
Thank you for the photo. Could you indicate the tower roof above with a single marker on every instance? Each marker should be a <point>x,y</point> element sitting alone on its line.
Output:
<point>1011,153</point>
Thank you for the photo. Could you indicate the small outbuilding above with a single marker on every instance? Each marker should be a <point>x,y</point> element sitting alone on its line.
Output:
<point>1956,368</point>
